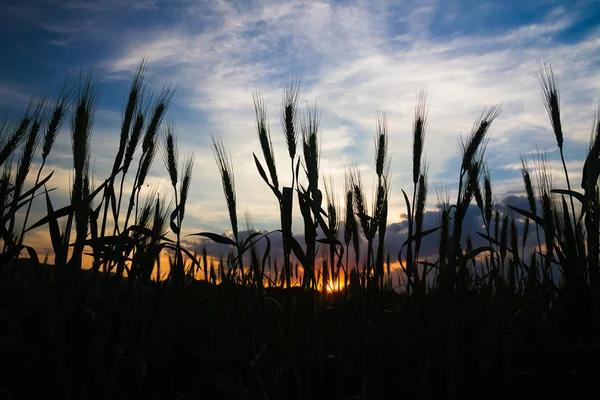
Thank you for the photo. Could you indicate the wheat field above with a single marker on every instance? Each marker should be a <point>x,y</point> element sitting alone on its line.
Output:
<point>122,309</point>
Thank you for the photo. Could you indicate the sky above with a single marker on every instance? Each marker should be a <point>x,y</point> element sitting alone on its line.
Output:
<point>355,58</point>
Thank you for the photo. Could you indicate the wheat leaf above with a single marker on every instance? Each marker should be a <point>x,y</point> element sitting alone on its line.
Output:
<point>215,238</point>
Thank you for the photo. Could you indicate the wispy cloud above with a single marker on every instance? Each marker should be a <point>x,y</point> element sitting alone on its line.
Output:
<point>12,95</point>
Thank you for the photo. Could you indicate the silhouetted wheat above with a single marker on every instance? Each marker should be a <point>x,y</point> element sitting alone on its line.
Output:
<point>457,322</point>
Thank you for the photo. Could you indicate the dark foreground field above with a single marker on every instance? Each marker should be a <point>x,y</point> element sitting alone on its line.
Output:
<point>231,341</point>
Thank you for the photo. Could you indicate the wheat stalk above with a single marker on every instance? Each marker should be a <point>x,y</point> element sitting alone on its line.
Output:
<point>477,136</point>
<point>381,145</point>
<point>227,179</point>
<point>419,128</point>
<point>9,144</point>
<point>289,114</point>
<point>170,154</point>
<point>310,128</point>
<point>186,180</point>
<point>264,136</point>
<point>551,99</point>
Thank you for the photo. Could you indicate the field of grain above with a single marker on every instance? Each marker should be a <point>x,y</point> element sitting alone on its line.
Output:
<point>127,311</point>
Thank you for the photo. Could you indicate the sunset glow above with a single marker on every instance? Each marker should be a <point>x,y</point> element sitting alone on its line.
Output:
<point>333,287</point>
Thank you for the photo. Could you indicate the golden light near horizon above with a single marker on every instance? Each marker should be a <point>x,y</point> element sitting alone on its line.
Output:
<point>334,286</point>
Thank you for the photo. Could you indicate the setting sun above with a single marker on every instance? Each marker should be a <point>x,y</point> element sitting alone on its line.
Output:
<point>333,287</point>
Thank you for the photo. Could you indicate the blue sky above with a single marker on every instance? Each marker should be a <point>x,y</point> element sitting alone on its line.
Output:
<point>355,57</point>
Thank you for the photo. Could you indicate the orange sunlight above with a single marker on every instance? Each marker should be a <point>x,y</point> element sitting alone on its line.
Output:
<point>333,287</point>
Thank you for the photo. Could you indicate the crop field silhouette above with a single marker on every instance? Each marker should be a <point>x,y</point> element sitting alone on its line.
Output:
<point>122,308</point>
